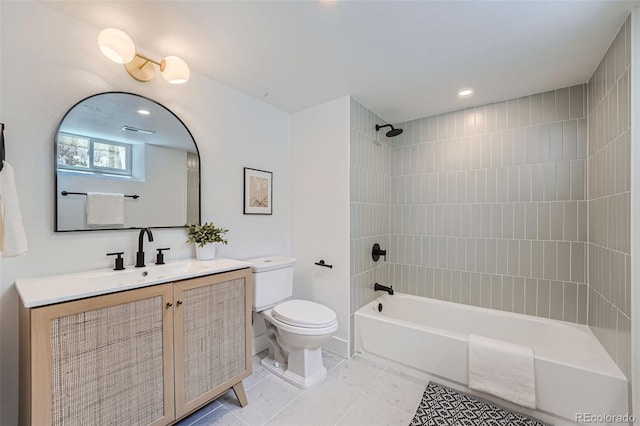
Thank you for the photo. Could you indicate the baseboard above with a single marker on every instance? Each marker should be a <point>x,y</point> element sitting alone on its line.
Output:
<point>337,346</point>
<point>260,343</point>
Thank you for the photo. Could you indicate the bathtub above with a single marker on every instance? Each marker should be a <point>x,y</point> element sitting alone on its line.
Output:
<point>573,372</point>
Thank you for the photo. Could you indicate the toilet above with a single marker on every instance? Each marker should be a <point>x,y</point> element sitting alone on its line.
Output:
<point>296,328</point>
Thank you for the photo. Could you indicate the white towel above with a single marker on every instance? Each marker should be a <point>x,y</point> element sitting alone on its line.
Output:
<point>105,209</point>
<point>13,241</point>
<point>502,369</point>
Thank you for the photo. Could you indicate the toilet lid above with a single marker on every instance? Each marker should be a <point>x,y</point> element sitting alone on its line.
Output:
<point>303,313</point>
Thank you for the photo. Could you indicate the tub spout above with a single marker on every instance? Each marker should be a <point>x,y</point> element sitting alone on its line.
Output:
<point>380,287</point>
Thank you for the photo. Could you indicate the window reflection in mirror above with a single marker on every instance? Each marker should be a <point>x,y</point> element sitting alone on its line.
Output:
<point>121,143</point>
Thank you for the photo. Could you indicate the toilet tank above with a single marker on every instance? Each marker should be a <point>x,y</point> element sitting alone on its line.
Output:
<point>272,281</point>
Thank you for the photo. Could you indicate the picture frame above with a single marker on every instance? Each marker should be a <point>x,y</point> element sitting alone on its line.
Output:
<point>258,191</point>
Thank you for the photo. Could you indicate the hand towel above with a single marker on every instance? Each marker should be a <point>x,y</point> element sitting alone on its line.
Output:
<point>503,369</point>
<point>13,241</point>
<point>105,209</point>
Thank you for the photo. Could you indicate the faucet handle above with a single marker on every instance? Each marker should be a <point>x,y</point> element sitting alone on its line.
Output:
<point>119,260</point>
<point>160,256</point>
<point>376,252</point>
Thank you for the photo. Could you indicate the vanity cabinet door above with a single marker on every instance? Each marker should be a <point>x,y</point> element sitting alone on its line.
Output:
<point>212,335</point>
<point>105,360</point>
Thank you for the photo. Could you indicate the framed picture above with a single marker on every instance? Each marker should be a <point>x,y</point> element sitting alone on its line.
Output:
<point>257,191</point>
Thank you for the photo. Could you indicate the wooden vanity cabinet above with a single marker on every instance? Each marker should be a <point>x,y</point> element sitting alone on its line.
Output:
<point>212,338</point>
<point>148,356</point>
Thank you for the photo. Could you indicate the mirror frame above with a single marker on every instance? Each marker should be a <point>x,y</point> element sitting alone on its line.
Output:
<point>55,169</point>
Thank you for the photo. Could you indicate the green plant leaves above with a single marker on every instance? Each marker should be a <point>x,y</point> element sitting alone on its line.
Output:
<point>206,233</point>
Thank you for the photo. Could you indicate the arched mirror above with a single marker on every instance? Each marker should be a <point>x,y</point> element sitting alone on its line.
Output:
<point>124,161</point>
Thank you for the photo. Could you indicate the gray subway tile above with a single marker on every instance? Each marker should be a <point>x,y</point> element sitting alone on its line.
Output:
<point>512,114</point>
<point>556,299</point>
<point>562,104</point>
<point>531,296</point>
<point>518,295</point>
<point>550,178</point>
<point>543,299</point>
<point>537,182</point>
<point>485,291</point>
<point>570,140</point>
<point>550,260</point>
<point>555,142</point>
<point>524,112</point>
<point>556,220</point>
<point>577,262</point>
<point>502,257</point>
<point>537,259</point>
<point>549,107</point>
<point>570,302</point>
<point>576,101</point>
<point>507,294</point>
<point>577,170</point>
<point>563,177</point>
<point>519,218</point>
<point>582,303</point>
<point>531,225</point>
<point>543,221</point>
<point>475,287</point>
<point>514,254</point>
<point>501,115</point>
<point>570,222</point>
<point>525,258</point>
<point>496,292</point>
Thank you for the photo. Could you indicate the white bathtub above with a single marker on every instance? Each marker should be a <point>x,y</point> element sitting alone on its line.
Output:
<point>573,372</point>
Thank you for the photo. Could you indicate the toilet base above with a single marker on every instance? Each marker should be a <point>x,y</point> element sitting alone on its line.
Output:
<point>295,379</point>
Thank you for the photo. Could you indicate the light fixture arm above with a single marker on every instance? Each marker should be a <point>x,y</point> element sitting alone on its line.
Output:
<point>147,60</point>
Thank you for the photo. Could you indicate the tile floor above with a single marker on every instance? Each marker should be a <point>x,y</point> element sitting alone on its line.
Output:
<point>357,392</point>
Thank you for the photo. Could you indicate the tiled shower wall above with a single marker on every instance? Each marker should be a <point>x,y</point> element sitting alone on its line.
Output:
<point>609,183</point>
<point>370,196</point>
<point>489,206</point>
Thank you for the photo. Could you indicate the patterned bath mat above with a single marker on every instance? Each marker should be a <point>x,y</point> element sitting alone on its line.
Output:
<point>442,406</point>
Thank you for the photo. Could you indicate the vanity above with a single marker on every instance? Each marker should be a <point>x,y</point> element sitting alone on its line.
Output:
<point>141,346</point>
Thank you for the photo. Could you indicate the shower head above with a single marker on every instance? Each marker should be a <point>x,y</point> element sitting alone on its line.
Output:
<point>391,133</point>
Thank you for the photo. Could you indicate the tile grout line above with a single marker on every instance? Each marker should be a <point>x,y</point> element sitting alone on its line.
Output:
<point>350,407</point>
<point>238,418</point>
<point>287,405</point>
<point>391,406</point>
<point>205,415</point>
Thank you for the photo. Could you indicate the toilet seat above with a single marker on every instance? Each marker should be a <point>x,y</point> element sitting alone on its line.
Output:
<point>304,314</point>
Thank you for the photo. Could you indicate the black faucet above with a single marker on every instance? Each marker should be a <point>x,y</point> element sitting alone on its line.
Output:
<point>380,287</point>
<point>140,253</point>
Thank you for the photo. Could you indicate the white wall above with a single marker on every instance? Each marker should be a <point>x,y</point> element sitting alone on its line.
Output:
<point>320,215</point>
<point>49,62</point>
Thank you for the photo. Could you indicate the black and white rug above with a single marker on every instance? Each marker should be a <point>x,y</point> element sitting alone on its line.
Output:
<point>442,406</point>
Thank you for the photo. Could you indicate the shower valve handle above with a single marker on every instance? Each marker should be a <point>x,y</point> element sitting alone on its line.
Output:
<point>377,252</point>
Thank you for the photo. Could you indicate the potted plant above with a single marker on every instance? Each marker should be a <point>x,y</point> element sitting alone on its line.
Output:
<point>205,236</point>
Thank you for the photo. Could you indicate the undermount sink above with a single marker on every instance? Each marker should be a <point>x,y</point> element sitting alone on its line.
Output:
<point>60,288</point>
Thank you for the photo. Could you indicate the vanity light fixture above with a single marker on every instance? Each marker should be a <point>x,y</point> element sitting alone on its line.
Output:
<point>465,93</point>
<point>118,46</point>
<point>143,112</point>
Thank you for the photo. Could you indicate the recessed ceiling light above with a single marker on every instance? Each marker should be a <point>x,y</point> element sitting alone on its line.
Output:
<point>144,112</point>
<point>465,93</point>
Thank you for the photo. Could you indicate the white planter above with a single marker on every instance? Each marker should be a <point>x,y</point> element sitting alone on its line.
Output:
<point>206,252</point>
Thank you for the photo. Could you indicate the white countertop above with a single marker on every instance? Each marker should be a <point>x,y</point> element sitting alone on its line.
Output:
<point>63,288</point>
